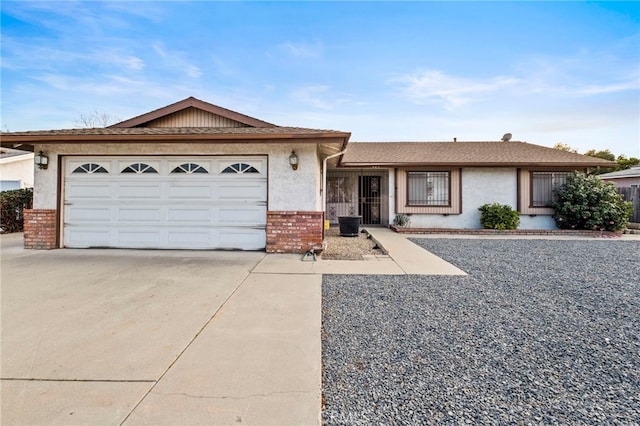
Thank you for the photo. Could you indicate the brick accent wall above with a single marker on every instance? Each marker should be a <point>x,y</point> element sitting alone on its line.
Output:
<point>294,231</point>
<point>40,229</point>
<point>514,232</point>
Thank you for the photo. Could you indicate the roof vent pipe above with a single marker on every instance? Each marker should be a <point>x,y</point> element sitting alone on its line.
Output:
<point>455,139</point>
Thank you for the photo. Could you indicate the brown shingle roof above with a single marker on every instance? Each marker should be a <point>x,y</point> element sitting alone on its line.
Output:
<point>361,154</point>
<point>168,133</point>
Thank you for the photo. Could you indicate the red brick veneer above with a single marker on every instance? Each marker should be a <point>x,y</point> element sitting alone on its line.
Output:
<point>40,229</point>
<point>514,232</point>
<point>294,231</point>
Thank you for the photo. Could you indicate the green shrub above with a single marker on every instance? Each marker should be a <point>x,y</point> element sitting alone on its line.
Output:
<point>499,216</point>
<point>587,202</point>
<point>11,205</point>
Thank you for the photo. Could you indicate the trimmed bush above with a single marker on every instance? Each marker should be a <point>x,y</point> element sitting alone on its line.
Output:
<point>499,216</point>
<point>587,202</point>
<point>402,220</point>
<point>11,205</point>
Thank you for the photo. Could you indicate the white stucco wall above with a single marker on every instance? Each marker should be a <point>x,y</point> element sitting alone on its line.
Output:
<point>482,186</point>
<point>18,168</point>
<point>288,189</point>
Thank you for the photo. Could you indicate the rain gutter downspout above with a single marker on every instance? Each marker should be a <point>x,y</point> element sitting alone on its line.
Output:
<point>324,180</point>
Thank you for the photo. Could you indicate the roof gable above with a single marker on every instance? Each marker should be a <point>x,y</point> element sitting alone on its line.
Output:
<point>192,112</point>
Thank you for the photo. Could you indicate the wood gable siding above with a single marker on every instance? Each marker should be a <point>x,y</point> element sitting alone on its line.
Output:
<point>524,196</point>
<point>194,117</point>
<point>455,192</point>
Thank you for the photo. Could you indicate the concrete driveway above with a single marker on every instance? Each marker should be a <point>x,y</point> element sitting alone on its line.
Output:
<point>156,337</point>
<point>111,337</point>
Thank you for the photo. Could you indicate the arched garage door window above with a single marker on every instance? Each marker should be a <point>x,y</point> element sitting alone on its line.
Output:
<point>139,168</point>
<point>90,168</point>
<point>240,168</point>
<point>189,168</point>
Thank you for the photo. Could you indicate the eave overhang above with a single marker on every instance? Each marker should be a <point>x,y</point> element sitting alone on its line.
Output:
<point>479,164</point>
<point>27,140</point>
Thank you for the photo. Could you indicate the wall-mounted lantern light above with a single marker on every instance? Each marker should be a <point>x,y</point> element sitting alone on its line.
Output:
<point>41,160</point>
<point>293,160</point>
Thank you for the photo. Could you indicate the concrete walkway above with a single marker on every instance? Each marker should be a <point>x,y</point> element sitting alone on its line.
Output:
<point>403,258</point>
<point>131,337</point>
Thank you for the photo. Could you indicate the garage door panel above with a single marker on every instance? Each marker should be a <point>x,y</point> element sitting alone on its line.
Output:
<point>244,216</point>
<point>88,214</point>
<point>145,215</point>
<point>190,238</point>
<point>242,190</point>
<point>138,237</point>
<point>78,190</point>
<point>186,214</point>
<point>165,208</point>
<point>238,238</point>
<point>184,190</point>
<point>148,191</point>
<point>88,237</point>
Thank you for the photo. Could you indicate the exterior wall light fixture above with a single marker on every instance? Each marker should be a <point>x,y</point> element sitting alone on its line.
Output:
<point>293,160</point>
<point>42,160</point>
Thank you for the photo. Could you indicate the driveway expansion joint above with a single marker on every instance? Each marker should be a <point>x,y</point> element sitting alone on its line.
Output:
<point>255,395</point>
<point>164,373</point>
<point>35,379</point>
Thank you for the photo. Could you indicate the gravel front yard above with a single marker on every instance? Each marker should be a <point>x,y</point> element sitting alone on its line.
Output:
<point>541,331</point>
<point>348,248</point>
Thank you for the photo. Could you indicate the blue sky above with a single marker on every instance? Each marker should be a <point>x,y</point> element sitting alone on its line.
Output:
<point>385,71</point>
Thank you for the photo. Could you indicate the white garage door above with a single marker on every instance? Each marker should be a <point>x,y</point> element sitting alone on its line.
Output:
<point>166,202</point>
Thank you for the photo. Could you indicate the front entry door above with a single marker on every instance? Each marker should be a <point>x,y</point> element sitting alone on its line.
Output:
<point>369,196</point>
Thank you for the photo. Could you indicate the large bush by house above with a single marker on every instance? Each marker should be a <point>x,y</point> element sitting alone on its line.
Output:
<point>499,216</point>
<point>12,203</point>
<point>587,202</point>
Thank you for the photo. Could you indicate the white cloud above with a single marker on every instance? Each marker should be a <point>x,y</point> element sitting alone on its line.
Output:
<point>97,85</point>
<point>301,49</point>
<point>177,60</point>
<point>21,56</point>
<point>312,95</point>
<point>450,91</point>
<point>134,62</point>
<point>568,78</point>
<point>584,73</point>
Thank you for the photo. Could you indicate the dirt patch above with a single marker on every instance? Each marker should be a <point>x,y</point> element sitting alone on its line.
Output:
<point>348,248</point>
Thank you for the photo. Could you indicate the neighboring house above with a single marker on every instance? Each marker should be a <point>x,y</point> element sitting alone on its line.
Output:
<point>16,169</point>
<point>627,183</point>
<point>623,178</point>
<point>193,175</point>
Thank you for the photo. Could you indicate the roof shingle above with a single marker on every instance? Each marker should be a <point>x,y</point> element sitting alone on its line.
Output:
<point>116,131</point>
<point>361,154</point>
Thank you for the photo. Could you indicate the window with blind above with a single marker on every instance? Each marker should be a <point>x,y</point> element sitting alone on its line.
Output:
<point>428,188</point>
<point>542,186</point>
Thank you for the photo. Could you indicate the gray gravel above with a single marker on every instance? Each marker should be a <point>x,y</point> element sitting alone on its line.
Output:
<point>540,332</point>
